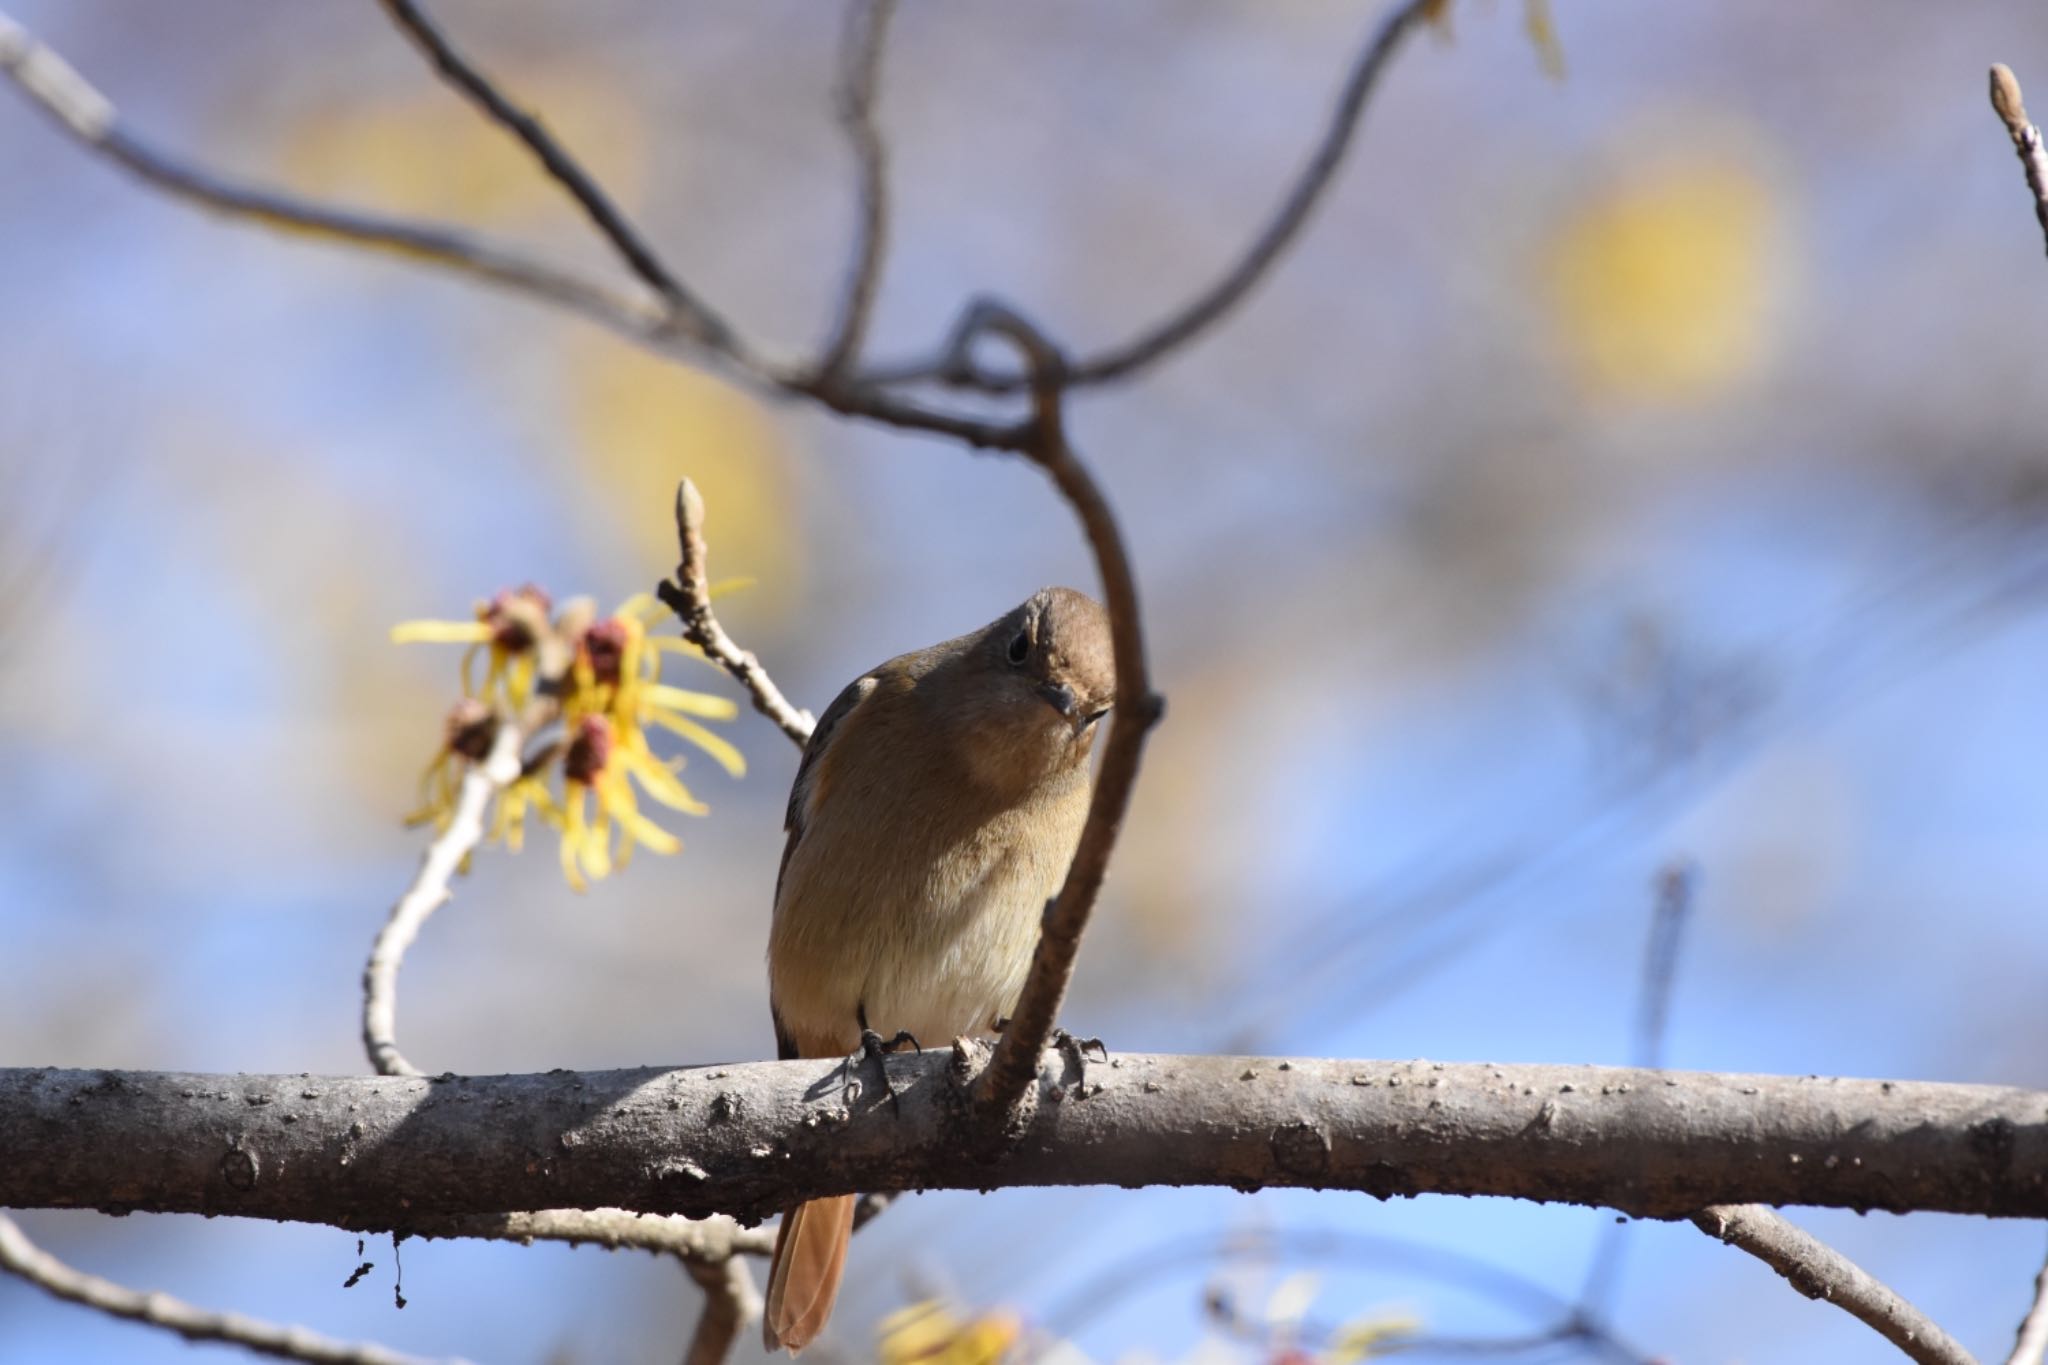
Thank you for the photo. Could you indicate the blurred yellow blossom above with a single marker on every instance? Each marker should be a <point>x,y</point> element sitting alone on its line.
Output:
<point>598,683</point>
<point>930,1333</point>
<point>1660,284</point>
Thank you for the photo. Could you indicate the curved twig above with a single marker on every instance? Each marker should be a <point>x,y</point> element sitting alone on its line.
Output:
<point>22,1257</point>
<point>1818,1271</point>
<point>428,893</point>
<point>1011,1070</point>
<point>955,365</point>
<point>860,65</point>
<point>688,595</point>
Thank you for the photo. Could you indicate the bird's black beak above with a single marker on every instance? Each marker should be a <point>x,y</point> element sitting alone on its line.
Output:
<point>1060,697</point>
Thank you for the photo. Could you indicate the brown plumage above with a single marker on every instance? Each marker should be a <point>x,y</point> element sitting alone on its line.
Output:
<point>933,816</point>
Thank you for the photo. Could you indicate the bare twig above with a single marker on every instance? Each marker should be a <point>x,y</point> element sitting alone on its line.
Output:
<point>696,317</point>
<point>690,1240</point>
<point>22,1257</point>
<point>860,65</point>
<point>956,364</point>
<point>2026,138</point>
<point>1818,1271</point>
<point>688,595</point>
<point>428,893</point>
<point>1009,1074</point>
<point>732,1303</point>
<point>2032,1345</point>
<point>91,118</point>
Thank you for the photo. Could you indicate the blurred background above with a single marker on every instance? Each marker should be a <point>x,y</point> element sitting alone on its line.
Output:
<point>1634,462</point>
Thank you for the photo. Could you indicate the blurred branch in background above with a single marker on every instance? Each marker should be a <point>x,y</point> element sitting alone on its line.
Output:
<point>21,1257</point>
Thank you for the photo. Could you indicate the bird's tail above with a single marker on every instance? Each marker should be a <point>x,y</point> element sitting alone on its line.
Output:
<point>803,1280</point>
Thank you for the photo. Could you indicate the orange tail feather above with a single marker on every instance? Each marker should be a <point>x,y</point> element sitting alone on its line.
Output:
<point>803,1280</point>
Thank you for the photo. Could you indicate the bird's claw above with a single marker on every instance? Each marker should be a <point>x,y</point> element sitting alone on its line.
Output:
<point>875,1048</point>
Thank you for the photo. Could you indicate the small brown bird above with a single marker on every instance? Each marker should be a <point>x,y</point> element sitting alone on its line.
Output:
<point>933,816</point>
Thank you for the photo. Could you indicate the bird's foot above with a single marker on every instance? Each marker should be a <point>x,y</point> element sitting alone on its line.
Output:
<point>875,1048</point>
<point>1076,1050</point>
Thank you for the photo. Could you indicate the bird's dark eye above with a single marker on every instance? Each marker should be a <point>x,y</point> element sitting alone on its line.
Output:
<point>1020,647</point>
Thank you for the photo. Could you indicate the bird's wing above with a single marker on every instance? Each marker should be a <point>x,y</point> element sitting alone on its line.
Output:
<point>807,769</point>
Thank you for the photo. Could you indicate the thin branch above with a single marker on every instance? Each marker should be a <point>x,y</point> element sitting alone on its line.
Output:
<point>91,118</point>
<point>697,318</point>
<point>860,65</point>
<point>22,1257</point>
<point>1008,1077</point>
<point>690,1240</point>
<point>751,1139</point>
<point>428,893</point>
<point>956,364</point>
<point>688,595</point>
<point>2032,1345</point>
<point>2026,138</point>
<point>732,1303</point>
<point>1818,1271</point>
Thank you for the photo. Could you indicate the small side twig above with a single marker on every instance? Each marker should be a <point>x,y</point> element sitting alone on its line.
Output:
<point>695,316</point>
<point>1012,1069</point>
<point>732,1303</point>
<point>428,893</point>
<point>2026,138</point>
<point>2032,1346</point>
<point>860,67</point>
<point>1818,1271</point>
<point>22,1257</point>
<point>688,595</point>
<point>687,1239</point>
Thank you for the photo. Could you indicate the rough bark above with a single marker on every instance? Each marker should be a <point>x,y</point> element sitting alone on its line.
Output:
<point>386,1152</point>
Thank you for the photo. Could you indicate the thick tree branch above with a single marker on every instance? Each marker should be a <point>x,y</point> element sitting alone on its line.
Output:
<point>2026,138</point>
<point>695,317</point>
<point>688,595</point>
<point>957,365</point>
<point>860,66</point>
<point>2032,1345</point>
<point>378,1152</point>
<point>428,893</point>
<point>1818,1271</point>
<point>19,1256</point>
